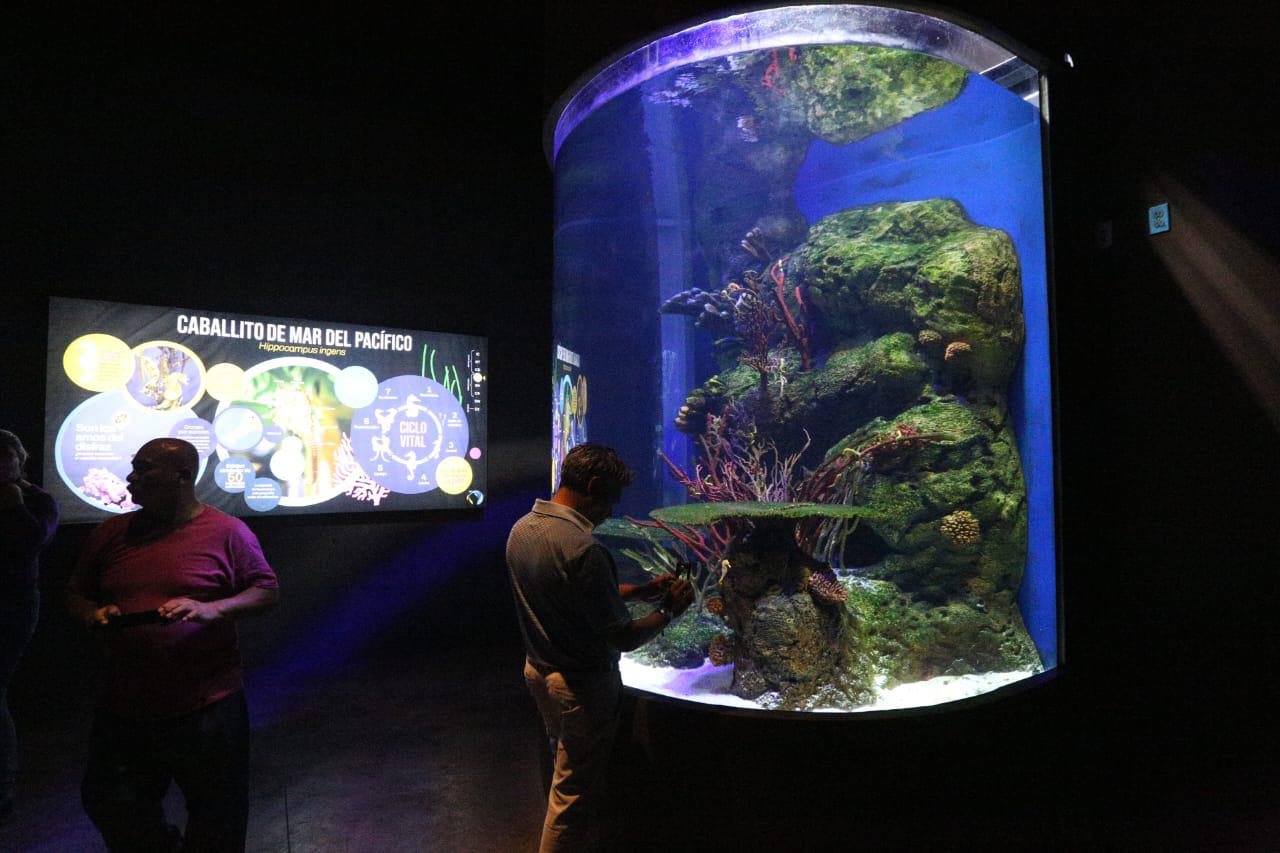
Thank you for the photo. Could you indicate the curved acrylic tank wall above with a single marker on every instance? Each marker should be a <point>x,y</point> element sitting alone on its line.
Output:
<point>801,285</point>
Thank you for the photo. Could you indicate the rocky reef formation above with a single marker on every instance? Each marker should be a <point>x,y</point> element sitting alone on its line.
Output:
<point>764,108</point>
<point>913,319</point>
<point>952,516</point>
<point>889,290</point>
<point>793,641</point>
<point>911,640</point>
<point>920,267</point>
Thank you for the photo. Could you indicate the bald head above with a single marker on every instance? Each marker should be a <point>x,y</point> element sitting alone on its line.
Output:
<point>179,454</point>
<point>164,475</point>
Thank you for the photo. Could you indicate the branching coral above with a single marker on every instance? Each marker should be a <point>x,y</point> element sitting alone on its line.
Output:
<point>659,555</point>
<point>739,467</point>
<point>839,480</point>
<point>754,321</point>
<point>794,327</point>
<point>889,449</point>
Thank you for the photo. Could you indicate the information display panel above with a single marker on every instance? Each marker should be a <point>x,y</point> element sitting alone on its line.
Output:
<point>288,416</point>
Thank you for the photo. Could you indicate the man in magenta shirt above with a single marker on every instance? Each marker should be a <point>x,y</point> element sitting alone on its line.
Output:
<point>162,588</point>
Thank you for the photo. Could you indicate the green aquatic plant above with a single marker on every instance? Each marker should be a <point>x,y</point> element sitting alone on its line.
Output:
<point>658,553</point>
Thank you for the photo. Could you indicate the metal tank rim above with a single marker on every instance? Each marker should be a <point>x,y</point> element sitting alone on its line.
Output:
<point>954,36</point>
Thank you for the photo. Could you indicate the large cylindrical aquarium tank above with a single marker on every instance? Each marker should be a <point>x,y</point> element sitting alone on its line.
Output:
<point>802,285</point>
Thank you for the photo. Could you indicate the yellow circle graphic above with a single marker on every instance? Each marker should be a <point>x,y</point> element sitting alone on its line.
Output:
<point>169,376</point>
<point>453,475</point>
<point>98,362</point>
<point>226,382</point>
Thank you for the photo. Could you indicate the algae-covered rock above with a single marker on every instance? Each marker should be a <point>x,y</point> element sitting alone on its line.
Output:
<point>841,93</point>
<point>973,469</point>
<point>683,644</point>
<point>917,266</point>
<point>848,92</point>
<point>913,641</point>
<point>763,109</point>
<point>799,648</point>
<point>800,651</point>
<point>851,386</point>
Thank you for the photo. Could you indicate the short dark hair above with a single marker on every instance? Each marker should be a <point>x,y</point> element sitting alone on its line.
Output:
<point>587,461</point>
<point>8,439</point>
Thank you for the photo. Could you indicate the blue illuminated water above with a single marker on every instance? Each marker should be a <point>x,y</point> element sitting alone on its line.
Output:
<point>982,150</point>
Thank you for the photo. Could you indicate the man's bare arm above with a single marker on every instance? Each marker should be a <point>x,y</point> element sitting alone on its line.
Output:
<point>86,611</point>
<point>246,601</point>
<point>634,634</point>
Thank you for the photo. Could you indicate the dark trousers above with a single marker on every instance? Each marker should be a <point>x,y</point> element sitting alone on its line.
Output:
<point>18,615</point>
<point>132,762</point>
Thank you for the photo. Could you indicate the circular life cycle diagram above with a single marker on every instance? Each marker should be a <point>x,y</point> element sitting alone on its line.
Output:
<point>413,437</point>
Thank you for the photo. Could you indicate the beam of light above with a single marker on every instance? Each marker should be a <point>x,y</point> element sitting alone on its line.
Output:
<point>384,593</point>
<point>1231,284</point>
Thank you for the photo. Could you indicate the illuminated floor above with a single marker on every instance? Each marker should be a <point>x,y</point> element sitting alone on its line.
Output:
<point>710,685</point>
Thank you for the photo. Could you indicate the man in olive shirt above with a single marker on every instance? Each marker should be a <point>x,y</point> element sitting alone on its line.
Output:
<point>575,625</point>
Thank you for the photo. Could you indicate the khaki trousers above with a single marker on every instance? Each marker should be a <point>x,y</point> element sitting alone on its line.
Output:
<point>581,718</point>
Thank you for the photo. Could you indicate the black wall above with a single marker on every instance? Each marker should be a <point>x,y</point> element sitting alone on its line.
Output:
<point>382,172</point>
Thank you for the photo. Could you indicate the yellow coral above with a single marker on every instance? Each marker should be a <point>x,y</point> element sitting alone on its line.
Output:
<point>961,527</point>
<point>957,351</point>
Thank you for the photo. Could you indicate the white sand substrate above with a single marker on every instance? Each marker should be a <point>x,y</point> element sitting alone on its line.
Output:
<point>710,685</point>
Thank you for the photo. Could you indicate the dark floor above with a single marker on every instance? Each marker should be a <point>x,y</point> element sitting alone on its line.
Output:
<point>412,752</point>
<point>409,755</point>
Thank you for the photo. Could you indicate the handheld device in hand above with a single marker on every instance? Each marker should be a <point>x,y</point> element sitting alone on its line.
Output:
<point>139,617</point>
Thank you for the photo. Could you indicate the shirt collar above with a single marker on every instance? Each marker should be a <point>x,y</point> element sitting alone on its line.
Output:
<point>561,511</point>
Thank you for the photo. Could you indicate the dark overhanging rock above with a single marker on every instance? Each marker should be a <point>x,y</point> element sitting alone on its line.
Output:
<point>788,640</point>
